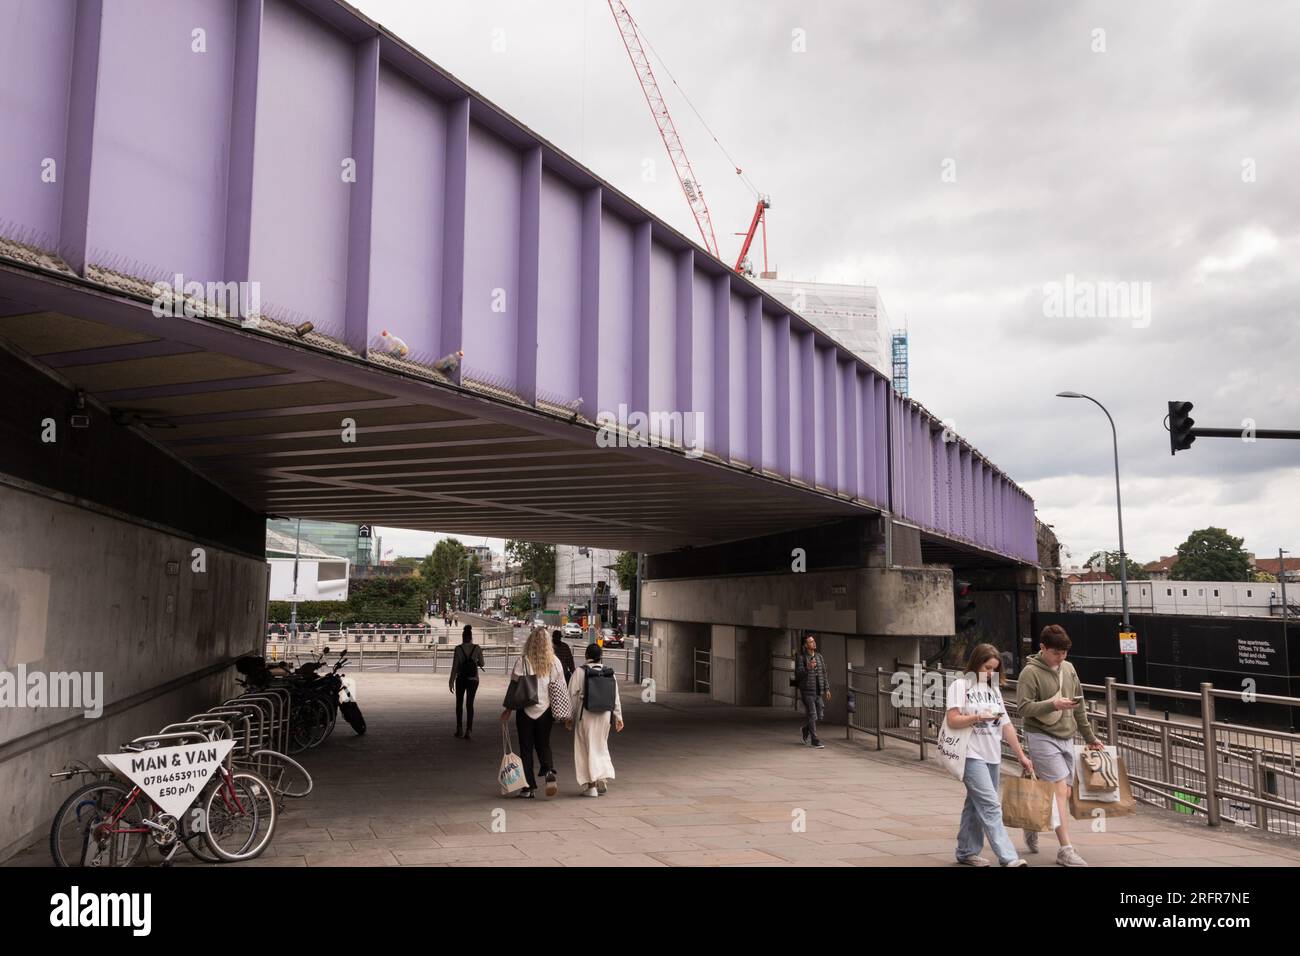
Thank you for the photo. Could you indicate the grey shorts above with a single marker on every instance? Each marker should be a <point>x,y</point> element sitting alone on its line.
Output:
<point>1053,757</point>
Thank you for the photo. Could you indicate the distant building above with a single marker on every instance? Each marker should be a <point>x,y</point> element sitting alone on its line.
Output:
<point>853,315</point>
<point>574,573</point>
<point>321,576</point>
<point>1214,598</point>
<point>500,588</point>
<point>332,537</point>
<point>1160,570</point>
<point>1280,566</point>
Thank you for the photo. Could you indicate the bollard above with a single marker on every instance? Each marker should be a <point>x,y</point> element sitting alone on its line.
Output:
<point>1211,756</point>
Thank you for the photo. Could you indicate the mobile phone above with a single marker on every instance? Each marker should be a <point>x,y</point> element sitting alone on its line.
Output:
<point>1077,699</point>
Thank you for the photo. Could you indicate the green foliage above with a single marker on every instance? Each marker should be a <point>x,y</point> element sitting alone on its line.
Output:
<point>446,567</point>
<point>1109,562</point>
<point>537,561</point>
<point>1211,554</point>
<point>374,600</point>
<point>625,568</point>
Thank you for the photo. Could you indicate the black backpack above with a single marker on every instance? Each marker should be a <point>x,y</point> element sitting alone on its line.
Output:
<point>601,690</point>
<point>468,668</point>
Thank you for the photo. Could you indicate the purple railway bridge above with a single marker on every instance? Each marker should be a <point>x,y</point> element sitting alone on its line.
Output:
<point>379,216</point>
<point>300,147</point>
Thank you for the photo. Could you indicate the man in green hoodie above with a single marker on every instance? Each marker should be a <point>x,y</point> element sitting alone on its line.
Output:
<point>1050,699</point>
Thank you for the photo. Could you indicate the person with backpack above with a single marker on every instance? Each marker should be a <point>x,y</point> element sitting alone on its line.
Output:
<point>465,665</point>
<point>563,652</point>
<point>594,692</point>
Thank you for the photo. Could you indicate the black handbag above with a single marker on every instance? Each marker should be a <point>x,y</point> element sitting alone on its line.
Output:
<point>522,691</point>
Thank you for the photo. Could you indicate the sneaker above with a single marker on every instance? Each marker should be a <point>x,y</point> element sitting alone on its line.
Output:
<point>526,793</point>
<point>817,744</point>
<point>1016,862</point>
<point>804,730</point>
<point>1031,841</point>
<point>552,788</point>
<point>972,861</point>
<point>602,786</point>
<point>591,792</point>
<point>1068,857</point>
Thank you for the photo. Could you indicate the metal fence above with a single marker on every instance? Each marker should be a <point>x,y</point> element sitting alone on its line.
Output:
<point>437,658</point>
<point>1249,776</point>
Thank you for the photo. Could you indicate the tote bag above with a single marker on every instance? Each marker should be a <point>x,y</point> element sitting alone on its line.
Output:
<point>951,748</point>
<point>511,774</point>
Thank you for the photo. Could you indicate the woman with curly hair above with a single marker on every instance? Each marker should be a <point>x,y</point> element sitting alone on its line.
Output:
<point>534,720</point>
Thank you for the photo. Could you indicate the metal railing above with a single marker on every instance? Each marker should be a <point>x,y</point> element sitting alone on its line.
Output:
<point>703,671</point>
<point>1249,776</point>
<point>498,659</point>
<point>783,681</point>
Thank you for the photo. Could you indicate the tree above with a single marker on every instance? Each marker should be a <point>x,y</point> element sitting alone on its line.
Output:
<point>537,562</point>
<point>1211,554</point>
<point>1108,561</point>
<point>1263,577</point>
<point>450,565</point>
<point>625,568</point>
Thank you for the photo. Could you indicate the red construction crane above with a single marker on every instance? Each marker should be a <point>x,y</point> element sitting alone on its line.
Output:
<point>691,188</point>
<point>664,120</point>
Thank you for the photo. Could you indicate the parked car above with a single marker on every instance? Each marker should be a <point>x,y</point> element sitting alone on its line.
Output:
<point>611,637</point>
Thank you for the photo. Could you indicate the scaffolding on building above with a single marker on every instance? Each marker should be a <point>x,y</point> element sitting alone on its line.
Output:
<point>899,344</point>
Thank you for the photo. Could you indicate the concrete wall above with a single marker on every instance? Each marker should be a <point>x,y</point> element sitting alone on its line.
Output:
<point>871,616</point>
<point>878,601</point>
<point>82,590</point>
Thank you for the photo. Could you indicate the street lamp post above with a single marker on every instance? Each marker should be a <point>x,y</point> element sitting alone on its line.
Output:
<point>293,608</point>
<point>1123,558</point>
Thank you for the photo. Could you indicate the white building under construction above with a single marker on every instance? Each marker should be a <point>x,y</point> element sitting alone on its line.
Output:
<point>853,315</point>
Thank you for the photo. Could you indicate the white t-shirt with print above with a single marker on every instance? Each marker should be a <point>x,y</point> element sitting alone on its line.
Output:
<point>986,737</point>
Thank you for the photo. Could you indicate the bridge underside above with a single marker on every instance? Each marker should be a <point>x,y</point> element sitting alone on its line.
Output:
<point>265,418</point>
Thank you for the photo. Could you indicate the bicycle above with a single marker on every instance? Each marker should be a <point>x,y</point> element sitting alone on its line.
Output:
<point>109,823</point>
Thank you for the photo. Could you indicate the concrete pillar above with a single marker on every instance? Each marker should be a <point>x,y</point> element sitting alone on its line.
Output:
<point>754,648</point>
<point>723,637</point>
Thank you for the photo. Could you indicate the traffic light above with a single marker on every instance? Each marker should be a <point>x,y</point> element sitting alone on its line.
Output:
<point>964,606</point>
<point>1180,427</point>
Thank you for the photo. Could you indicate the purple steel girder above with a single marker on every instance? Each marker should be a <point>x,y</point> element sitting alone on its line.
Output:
<point>363,189</point>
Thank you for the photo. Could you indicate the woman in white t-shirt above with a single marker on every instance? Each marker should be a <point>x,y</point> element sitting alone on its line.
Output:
<point>534,721</point>
<point>975,701</point>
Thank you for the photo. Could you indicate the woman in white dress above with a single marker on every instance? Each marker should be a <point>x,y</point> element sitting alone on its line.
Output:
<point>591,741</point>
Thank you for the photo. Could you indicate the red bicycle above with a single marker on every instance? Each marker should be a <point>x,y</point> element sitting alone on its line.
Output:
<point>109,823</point>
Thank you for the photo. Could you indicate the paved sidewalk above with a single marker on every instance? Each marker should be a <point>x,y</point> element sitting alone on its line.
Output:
<point>699,784</point>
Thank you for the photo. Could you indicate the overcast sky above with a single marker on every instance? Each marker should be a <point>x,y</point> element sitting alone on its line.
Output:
<point>963,157</point>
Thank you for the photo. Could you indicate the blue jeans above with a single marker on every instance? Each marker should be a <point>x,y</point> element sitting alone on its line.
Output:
<point>981,817</point>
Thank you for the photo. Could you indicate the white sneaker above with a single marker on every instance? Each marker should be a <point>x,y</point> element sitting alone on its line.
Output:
<point>1016,862</point>
<point>1031,841</point>
<point>972,861</point>
<point>1067,857</point>
<point>591,792</point>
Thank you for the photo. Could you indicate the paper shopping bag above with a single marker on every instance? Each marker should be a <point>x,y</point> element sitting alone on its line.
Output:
<point>1027,803</point>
